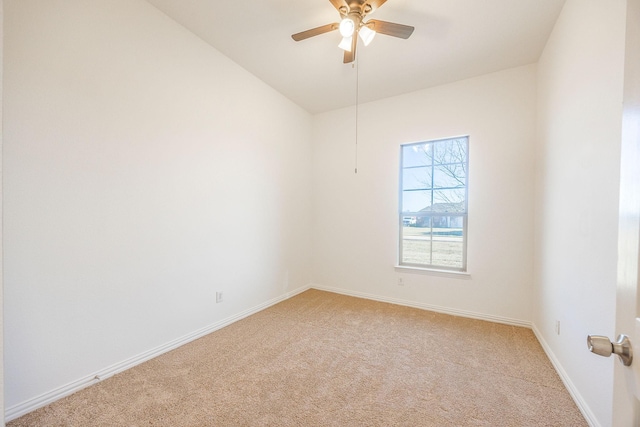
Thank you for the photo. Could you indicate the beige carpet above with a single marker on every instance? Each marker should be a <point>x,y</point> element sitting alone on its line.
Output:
<point>322,359</point>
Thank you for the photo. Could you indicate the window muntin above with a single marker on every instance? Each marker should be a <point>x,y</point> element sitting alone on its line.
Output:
<point>433,204</point>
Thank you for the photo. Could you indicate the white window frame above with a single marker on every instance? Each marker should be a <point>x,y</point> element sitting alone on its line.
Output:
<point>403,214</point>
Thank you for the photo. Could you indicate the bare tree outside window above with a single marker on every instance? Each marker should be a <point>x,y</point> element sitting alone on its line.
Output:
<point>433,204</point>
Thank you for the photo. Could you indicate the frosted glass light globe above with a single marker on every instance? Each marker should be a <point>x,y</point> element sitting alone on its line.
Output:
<point>347,27</point>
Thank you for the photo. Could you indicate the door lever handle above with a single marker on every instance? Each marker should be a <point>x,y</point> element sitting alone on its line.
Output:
<point>603,347</point>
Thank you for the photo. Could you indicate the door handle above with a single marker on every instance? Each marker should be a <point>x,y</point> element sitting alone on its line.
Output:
<point>603,347</point>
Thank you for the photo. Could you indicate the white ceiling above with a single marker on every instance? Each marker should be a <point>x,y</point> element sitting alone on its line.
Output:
<point>453,40</point>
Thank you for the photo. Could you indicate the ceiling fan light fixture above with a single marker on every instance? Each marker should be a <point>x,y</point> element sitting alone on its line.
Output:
<point>345,44</point>
<point>366,34</point>
<point>352,14</point>
<point>347,27</point>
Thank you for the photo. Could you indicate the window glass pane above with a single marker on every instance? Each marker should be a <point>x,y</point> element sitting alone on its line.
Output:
<point>450,151</point>
<point>415,201</point>
<point>447,253</point>
<point>416,241</point>
<point>416,155</point>
<point>451,175</point>
<point>449,225</point>
<point>419,227</point>
<point>449,200</point>
<point>416,178</point>
<point>416,251</point>
<point>424,222</point>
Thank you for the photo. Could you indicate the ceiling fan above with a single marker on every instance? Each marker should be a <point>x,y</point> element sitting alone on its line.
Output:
<point>352,24</point>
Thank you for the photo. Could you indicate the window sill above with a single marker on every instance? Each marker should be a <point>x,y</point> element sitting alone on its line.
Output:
<point>434,272</point>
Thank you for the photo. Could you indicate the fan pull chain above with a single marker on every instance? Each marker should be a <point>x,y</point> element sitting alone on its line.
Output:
<point>355,65</point>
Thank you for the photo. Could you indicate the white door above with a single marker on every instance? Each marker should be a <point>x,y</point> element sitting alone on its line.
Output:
<point>626,406</point>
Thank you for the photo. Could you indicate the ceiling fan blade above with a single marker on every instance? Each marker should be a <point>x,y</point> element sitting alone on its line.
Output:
<point>390,28</point>
<point>351,56</point>
<point>375,4</point>
<point>315,32</point>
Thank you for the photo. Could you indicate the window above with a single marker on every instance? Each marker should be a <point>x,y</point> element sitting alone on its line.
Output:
<point>433,204</point>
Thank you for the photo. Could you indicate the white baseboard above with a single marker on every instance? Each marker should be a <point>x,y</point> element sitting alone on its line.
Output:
<point>573,391</point>
<point>430,307</point>
<point>32,404</point>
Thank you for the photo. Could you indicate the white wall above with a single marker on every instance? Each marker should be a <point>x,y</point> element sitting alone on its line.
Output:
<point>578,161</point>
<point>355,216</point>
<point>143,172</point>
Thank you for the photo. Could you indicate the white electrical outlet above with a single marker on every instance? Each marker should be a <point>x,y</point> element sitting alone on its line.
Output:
<point>557,327</point>
<point>218,297</point>
<point>400,281</point>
